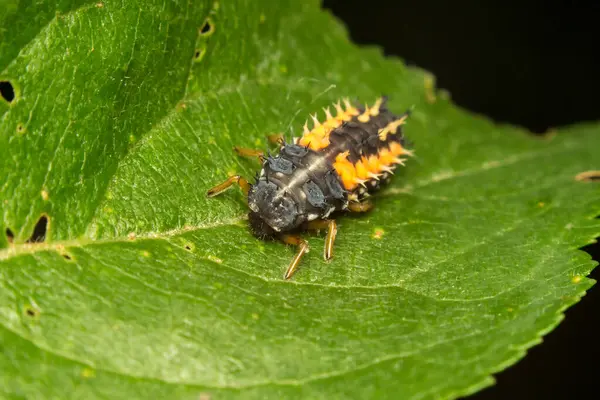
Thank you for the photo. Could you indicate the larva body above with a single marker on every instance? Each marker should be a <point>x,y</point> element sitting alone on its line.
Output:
<point>332,167</point>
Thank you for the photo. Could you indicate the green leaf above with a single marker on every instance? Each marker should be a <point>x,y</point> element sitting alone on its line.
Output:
<point>126,112</point>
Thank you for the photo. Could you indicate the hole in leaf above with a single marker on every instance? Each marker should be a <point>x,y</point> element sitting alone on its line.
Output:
<point>10,236</point>
<point>31,312</point>
<point>7,91</point>
<point>588,176</point>
<point>39,232</point>
<point>187,245</point>
<point>207,28</point>
<point>60,249</point>
<point>20,128</point>
<point>199,54</point>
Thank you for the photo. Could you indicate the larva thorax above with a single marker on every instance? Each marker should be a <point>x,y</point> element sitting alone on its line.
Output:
<point>296,186</point>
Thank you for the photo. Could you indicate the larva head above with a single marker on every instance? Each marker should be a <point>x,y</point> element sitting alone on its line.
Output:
<point>271,210</point>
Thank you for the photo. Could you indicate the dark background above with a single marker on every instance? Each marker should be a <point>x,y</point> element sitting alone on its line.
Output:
<point>528,63</point>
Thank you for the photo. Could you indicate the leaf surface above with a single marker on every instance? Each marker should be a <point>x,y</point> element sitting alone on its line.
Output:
<point>126,113</point>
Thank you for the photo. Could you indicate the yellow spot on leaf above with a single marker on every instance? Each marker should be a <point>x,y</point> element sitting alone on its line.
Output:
<point>215,259</point>
<point>430,96</point>
<point>45,195</point>
<point>576,279</point>
<point>88,373</point>
<point>378,233</point>
<point>146,253</point>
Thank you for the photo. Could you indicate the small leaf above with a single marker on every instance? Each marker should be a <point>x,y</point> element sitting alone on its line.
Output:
<point>124,113</point>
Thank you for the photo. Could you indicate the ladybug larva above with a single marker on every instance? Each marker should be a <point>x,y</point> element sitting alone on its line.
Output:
<point>332,167</point>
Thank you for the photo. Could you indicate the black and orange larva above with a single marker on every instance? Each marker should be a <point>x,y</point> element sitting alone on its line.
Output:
<point>332,167</point>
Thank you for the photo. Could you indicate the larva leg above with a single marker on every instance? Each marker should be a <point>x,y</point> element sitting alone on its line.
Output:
<point>302,247</point>
<point>244,152</point>
<point>361,207</point>
<point>220,188</point>
<point>331,226</point>
<point>276,138</point>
